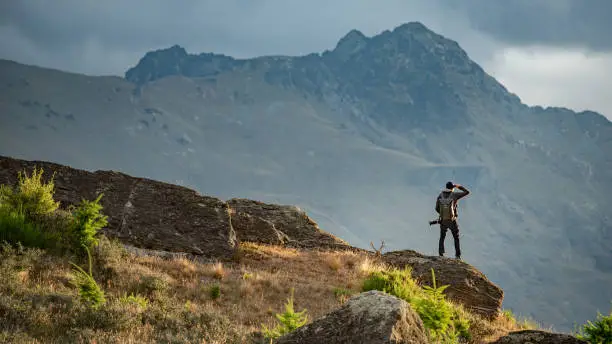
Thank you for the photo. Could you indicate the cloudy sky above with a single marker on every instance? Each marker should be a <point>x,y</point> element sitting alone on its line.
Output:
<point>548,52</point>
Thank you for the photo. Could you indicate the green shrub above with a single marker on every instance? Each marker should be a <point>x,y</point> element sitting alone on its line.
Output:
<point>31,197</point>
<point>289,321</point>
<point>442,319</point>
<point>397,282</point>
<point>15,228</point>
<point>29,215</point>
<point>139,300</point>
<point>22,209</point>
<point>89,291</point>
<point>215,291</point>
<point>461,324</point>
<point>599,332</point>
<point>342,294</point>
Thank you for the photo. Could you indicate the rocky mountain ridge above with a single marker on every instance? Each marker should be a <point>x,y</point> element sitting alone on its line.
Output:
<point>406,75</point>
<point>362,137</point>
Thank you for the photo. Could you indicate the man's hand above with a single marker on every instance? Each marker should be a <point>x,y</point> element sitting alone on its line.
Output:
<point>465,191</point>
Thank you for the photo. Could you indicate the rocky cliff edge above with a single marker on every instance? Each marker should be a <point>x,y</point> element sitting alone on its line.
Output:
<point>153,215</point>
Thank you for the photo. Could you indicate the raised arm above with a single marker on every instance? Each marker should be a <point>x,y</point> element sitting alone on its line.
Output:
<point>464,192</point>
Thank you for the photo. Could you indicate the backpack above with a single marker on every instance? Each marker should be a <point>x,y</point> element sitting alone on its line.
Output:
<point>448,207</point>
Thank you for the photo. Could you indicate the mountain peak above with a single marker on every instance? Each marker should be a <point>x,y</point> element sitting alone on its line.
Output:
<point>351,43</point>
<point>176,61</point>
<point>353,35</point>
<point>175,50</point>
<point>413,27</point>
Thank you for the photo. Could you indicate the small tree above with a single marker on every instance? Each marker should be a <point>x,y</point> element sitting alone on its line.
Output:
<point>599,332</point>
<point>289,321</point>
<point>436,312</point>
<point>88,219</point>
<point>89,291</point>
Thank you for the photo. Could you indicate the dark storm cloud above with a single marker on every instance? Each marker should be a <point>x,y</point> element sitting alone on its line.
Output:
<point>66,33</point>
<point>109,36</point>
<point>142,24</point>
<point>65,30</point>
<point>579,23</point>
<point>60,24</point>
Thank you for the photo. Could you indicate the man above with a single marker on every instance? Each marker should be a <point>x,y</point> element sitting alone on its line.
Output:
<point>446,207</point>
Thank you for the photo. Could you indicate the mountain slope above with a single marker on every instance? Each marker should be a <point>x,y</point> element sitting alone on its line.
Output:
<point>362,137</point>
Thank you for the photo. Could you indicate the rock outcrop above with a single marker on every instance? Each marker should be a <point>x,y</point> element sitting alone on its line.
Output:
<point>256,229</point>
<point>279,224</point>
<point>372,317</point>
<point>141,212</point>
<point>538,337</point>
<point>468,286</point>
<point>153,215</point>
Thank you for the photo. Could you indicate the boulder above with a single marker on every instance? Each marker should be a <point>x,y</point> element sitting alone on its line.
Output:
<point>372,317</point>
<point>141,212</point>
<point>538,337</point>
<point>289,224</point>
<point>467,285</point>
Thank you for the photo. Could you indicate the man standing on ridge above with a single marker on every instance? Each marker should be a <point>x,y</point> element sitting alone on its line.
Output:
<point>446,207</point>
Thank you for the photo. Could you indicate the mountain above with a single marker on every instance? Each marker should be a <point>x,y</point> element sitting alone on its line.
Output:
<point>362,137</point>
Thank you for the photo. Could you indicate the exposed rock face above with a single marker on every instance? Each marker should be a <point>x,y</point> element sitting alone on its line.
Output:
<point>256,229</point>
<point>141,212</point>
<point>371,317</point>
<point>538,337</point>
<point>468,286</point>
<point>175,61</point>
<point>154,215</point>
<point>279,224</point>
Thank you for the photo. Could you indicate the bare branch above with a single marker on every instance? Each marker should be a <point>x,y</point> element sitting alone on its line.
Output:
<point>378,251</point>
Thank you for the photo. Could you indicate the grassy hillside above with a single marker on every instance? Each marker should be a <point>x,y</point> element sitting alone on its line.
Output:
<point>54,291</point>
<point>151,299</point>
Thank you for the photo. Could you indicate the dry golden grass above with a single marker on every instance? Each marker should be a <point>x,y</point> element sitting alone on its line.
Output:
<point>180,293</point>
<point>263,279</point>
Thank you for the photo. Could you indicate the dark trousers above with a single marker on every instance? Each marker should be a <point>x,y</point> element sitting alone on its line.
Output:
<point>454,228</point>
